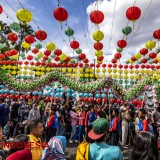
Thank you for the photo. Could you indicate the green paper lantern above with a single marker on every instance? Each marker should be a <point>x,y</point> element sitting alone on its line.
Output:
<point>78,51</point>
<point>15,26</point>
<point>69,32</point>
<point>38,46</point>
<point>127,30</point>
<point>158,50</point>
<point>119,49</point>
<point>120,81</point>
<point>1,46</point>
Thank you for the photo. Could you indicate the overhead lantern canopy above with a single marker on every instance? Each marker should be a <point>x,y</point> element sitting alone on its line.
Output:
<point>133,13</point>
<point>24,16</point>
<point>41,35</point>
<point>97,17</point>
<point>98,36</point>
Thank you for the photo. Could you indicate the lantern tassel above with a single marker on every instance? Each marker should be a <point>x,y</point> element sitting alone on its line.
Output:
<point>133,23</point>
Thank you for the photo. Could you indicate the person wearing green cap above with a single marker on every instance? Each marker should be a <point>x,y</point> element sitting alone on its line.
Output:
<point>99,150</point>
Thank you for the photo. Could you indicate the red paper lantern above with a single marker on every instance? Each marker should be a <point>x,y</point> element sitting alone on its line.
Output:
<point>2,56</point>
<point>1,9</point>
<point>100,58</point>
<point>29,39</point>
<point>75,65</point>
<point>38,63</point>
<point>155,60</point>
<point>12,96</point>
<point>70,65</point>
<point>43,63</point>
<point>29,57</point>
<point>157,67</point>
<point>98,100</point>
<point>68,59</point>
<point>134,102</point>
<point>156,34</point>
<point>118,101</point>
<point>13,52</point>
<point>97,65</point>
<point>34,97</point>
<point>4,62</point>
<point>112,100</point>
<point>143,51</point>
<point>125,66</point>
<point>152,55</point>
<point>131,67</point>
<point>53,64</point>
<point>28,97</point>
<point>114,65</point>
<point>81,65</point>
<point>117,55</point>
<point>14,62</point>
<point>48,64</point>
<point>17,96</point>
<point>57,52</point>
<point>98,46</point>
<point>114,61</point>
<point>144,60</point>
<point>41,35</point>
<point>45,58</point>
<point>143,66</point>
<point>10,62</point>
<point>136,66</point>
<point>148,66</point>
<point>109,65</point>
<point>81,56</point>
<point>60,14</point>
<point>133,59</point>
<point>59,65</point>
<point>48,99</point>
<point>97,17</point>
<point>7,54</point>
<point>12,37</point>
<point>35,50</point>
<point>32,63</point>
<point>47,53</point>
<point>85,99</point>
<point>26,62</point>
<point>104,100</point>
<point>120,66</point>
<point>91,65</point>
<point>104,65</point>
<point>91,100</point>
<point>122,43</point>
<point>152,66</point>
<point>133,13</point>
<point>56,58</point>
<point>74,45</point>
<point>86,61</point>
<point>64,65</point>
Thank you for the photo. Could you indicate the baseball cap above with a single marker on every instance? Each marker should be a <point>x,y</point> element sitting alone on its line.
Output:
<point>100,127</point>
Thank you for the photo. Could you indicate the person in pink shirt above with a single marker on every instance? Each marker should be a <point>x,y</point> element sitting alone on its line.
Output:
<point>74,123</point>
<point>82,115</point>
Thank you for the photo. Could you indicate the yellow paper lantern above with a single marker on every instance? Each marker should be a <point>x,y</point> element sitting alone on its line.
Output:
<point>15,57</point>
<point>25,45</point>
<point>19,72</point>
<point>63,69</point>
<point>25,72</point>
<point>137,77</point>
<point>158,77</point>
<point>81,70</point>
<point>109,70</point>
<point>114,70</point>
<point>104,70</point>
<point>120,76</point>
<point>103,75</point>
<point>91,70</point>
<point>42,68</point>
<point>136,71</point>
<point>97,70</point>
<point>38,68</point>
<point>31,68</point>
<point>142,71</point>
<point>19,67</point>
<point>99,62</point>
<point>158,58</point>
<point>91,75</point>
<point>14,67</point>
<point>63,57</point>
<point>74,75</point>
<point>74,70</point>
<point>137,56</point>
<point>81,75</point>
<point>25,67</point>
<point>125,72</point>
<point>40,55</point>
<point>38,73</point>
<point>150,44</point>
<point>147,71</point>
<point>24,15</point>
<point>69,69</point>
<point>9,66</point>
<point>151,72</point>
<point>50,46</point>
<point>97,75</point>
<point>153,77</point>
<point>132,77</point>
<point>31,73</point>
<point>120,71</point>
<point>42,73</point>
<point>131,71</point>
<point>14,72</point>
<point>86,75</point>
<point>98,35</point>
<point>114,76</point>
<point>48,69</point>
<point>130,61</point>
<point>99,53</point>
<point>86,70</point>
<point>157,72</point>
<point>125,77</point>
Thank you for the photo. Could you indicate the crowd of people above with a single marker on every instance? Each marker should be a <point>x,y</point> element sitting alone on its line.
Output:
<point>97,129</point>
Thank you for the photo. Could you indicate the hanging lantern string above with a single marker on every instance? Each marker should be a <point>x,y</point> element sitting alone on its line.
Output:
<point>84,28</point>
<point>20,4</point>
<point>63,39</point>
<point>139,25</point>
<point>83,4</point>
<point>59,4</point>
<point>9,16</point>
<point>110,39</point>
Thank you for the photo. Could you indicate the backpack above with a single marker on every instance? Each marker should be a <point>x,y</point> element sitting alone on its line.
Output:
<point>140,125</point>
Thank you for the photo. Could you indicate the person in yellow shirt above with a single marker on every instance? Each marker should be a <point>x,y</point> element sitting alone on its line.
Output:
<point>36,131</point>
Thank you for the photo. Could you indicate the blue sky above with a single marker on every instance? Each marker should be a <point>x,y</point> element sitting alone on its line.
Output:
<point>40,16</point>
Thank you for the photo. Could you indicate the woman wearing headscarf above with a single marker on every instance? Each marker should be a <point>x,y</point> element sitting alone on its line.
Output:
<point>55,149</point>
